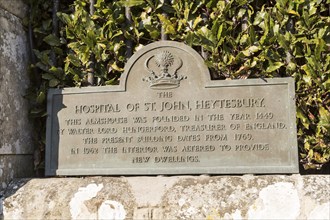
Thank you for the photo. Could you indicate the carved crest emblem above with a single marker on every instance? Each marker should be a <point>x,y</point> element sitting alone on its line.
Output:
<point>164,71</point>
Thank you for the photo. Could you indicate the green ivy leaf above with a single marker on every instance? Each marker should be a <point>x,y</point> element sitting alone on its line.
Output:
<point>197,21</point>
<point>274,66</point>
<point>111,81</point>
<point>131,3</point>
<point>116,67</point>
<point>74,60</point>
<point>292,12</point>
<point>303,119</point>
<point>48,76</point>
<point>54,82</point>
<point>52,40</point>
<point>41,97</point>
<point>324,122</point>
<point>56,70</point>
<point>251,50</point>
<point>65,18</point>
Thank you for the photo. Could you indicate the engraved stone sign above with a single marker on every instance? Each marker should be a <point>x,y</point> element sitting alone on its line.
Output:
<point>168,117</point>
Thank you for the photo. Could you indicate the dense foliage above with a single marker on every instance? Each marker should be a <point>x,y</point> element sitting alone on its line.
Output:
<point>238,38</point>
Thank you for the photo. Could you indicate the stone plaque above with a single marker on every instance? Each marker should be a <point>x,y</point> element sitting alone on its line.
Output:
<point>168,117</point>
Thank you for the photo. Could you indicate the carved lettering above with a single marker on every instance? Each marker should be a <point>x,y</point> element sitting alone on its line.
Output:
<point>151,139</point>
<point>139,120</point>
<point>61,131</point>
<point>230,103</point>
<point>139,150</point>
<point>192,137</point>
<point>165,94</point>
<point>150,106</point>
<point>73,122</point>
<point>116,140</point>
<point>105,121</point>
<point>107,130</point>
<point>161,129</point>
<point>216,117</point>
<point>170,149</point>
<point>203,127</point>
<point>110,150</point>
<point>198,148</point>
<point>75,150</point>
<point>87,109</point>
<point>133,107</point>
<point>240,117</point>
<point>174,118</point>
<point>175,106</point>
<point>216,137</point>
<point>244,137</point>
<point>252,147</point>
<point>90,140</point>
<point>140,159</point>
<point>177,159</point>
<point>265,126</point>
<point>264,115</point>
<point>80,131</point>
<point>199,117</point>
<point>90,150</point>
<point>225,147</point>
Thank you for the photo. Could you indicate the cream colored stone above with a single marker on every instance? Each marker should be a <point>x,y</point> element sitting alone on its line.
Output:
<point>184,197</point>
<point>78,208</point>
<point>278,201</point>
<point>151,195</point>
<point>111,210</point>
<point>320,212</point>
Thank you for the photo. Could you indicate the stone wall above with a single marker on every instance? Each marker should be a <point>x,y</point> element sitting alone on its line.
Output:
<point>177,197</point>
<point>16,148</point>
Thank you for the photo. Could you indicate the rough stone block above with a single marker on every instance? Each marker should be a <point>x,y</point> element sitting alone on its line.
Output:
<point>15,7</point>
<point>178,197</point>
<point>14,166</point>
<point>16,146</point>
<point>15,129</point>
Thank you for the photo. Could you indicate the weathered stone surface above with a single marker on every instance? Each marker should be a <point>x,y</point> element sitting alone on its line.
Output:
<point>15,128</point>
<point>15,7</point>
<point>76,198</point>
<point>14,125</point>
<point>14,166</point>
<point>180,197</point>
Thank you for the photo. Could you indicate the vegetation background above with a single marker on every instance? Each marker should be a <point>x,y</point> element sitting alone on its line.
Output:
<point>71,40</point>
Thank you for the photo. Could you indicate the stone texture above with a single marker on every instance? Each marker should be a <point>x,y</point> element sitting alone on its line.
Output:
<point>15,7</point>
<point>14,166</point>
<point>177,197</point>
<point>14,125</point>
<point>15,128</point>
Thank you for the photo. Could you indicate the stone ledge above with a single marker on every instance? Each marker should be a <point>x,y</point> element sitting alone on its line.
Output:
<point>176,197</point>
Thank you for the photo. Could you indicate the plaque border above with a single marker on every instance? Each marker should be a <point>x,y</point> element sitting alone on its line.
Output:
<point>51,157</point>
